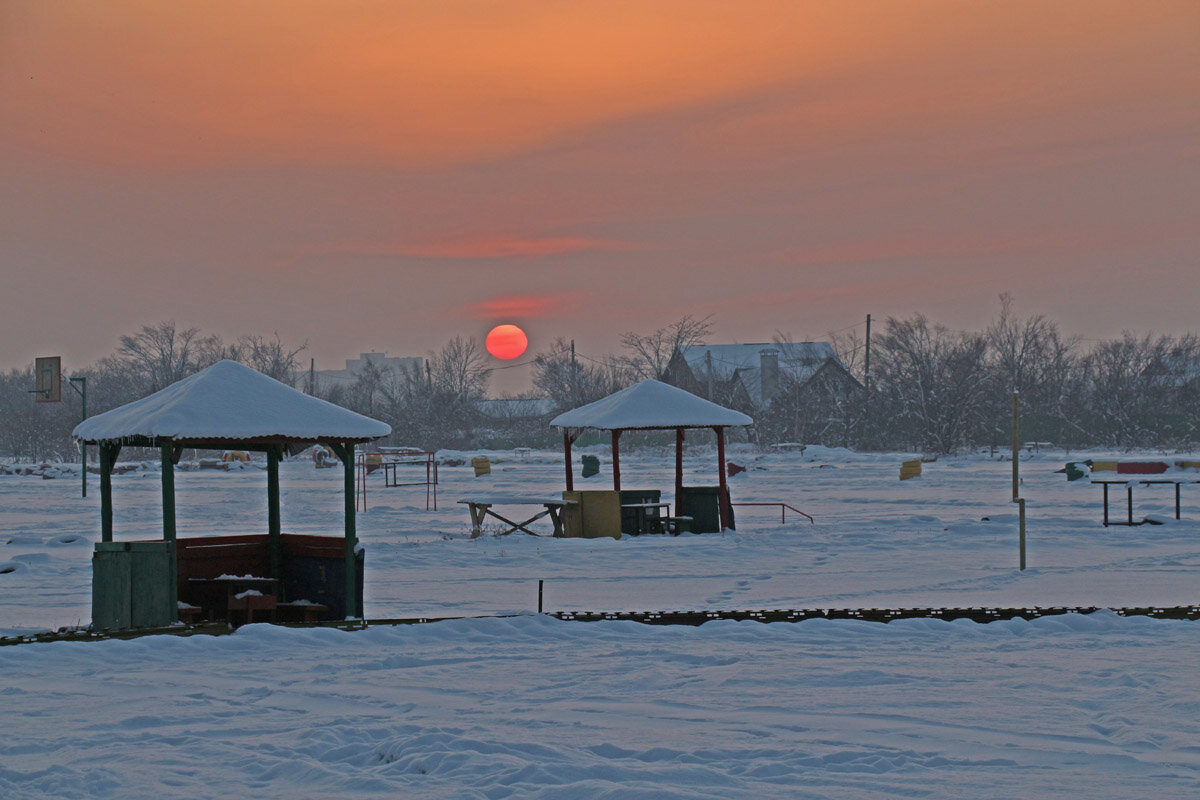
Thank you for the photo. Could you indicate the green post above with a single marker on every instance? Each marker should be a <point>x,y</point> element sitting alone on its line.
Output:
<point>345,451</point>
<point>274,542</point>
<point>168,493</point>
<point>1016,475</point>
<point>168,501</point>
<point>108,457</point>
<point>1021,503</point>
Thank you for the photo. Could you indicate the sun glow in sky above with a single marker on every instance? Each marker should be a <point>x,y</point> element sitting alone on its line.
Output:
<point>506,342</point>
<point>384,175</point>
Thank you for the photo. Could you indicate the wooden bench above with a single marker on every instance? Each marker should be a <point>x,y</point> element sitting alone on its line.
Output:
<point>674,525</point>
<point>300,611</point>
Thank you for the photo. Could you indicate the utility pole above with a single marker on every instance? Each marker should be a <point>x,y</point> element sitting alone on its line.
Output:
<point>574,382</point>
<point>82,390</point>
<point>1016,474</point>
<point>867,358</point>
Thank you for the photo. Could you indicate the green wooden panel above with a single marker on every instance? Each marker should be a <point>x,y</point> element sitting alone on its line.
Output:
<point>110,587</point>
<point>150,584</point>
<point>133,585</point>
<point>702,504</point>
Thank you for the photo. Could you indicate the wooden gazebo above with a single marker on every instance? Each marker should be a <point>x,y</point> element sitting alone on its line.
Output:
<point>653,405</point>
<point>226,406</point>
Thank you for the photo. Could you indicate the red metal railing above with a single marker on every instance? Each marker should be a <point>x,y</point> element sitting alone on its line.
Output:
<point>783,509</point>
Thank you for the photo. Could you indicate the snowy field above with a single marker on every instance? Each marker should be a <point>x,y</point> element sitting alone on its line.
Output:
<point>1098,706</point>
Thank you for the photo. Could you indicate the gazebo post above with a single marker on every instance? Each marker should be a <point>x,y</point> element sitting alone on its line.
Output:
<point>168,503</point>
<point>108,457</point>
<point>168,492</point>
<point>616,436</point>
<point>345,451</point>
<point>723,499</point>
<point>567,459</point>
<point>678,467</point>
<point>274,543</point>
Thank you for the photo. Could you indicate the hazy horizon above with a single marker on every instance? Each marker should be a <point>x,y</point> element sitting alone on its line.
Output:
<point>383,177</point>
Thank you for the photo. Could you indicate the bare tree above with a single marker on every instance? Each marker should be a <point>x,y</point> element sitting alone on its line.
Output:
<point>159,355</point>
<point>572,383</point>
<point>649,355</point>
<point>460,369</point>
<point>271,357</point>
<point>933,382</point>
<point>1030,356</point>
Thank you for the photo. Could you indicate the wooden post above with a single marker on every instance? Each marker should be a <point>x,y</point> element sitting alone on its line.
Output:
<point>723,495</point>
<point>616,435</point>
<point>274,541</point>
<point>567,459</point>
<point>1016,472</point>
<point>678,468</point>
<point>168,502</point>
<point>1016,446</point>
<point>168,493</point>
<point>108,457</point>
<point>345,452</point>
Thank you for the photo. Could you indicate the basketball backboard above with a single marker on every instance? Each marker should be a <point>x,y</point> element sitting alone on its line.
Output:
<point>48,376</point>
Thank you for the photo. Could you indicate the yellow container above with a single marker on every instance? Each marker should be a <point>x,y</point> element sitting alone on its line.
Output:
<point>910,469</point>
<point>592,514</point>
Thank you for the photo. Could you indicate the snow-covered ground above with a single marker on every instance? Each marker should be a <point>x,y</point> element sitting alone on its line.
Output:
<point>1098,706</point>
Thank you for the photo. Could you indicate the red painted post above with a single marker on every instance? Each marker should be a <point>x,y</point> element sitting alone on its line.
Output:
<point>567,459</point>
<point>616,435</point>
<point>678,468</point>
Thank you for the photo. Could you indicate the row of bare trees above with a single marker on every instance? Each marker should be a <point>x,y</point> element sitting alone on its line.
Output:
<point>931,388</point>
<point>941,390</point>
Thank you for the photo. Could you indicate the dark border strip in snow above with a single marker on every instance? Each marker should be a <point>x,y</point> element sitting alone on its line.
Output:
<point>977,614</point>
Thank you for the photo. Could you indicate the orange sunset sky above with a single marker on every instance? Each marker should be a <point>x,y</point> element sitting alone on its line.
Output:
<point>386,175</point>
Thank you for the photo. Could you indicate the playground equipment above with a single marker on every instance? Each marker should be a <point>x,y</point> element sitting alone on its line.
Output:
<point>389,461</point>
<point>1129,474</point>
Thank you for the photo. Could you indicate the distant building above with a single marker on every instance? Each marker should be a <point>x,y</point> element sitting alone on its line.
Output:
<point>327,379</point>
<point>507,409</point>
<point>750,376</point>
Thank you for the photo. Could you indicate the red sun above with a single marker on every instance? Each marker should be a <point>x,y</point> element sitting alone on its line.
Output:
<point>506,341</point>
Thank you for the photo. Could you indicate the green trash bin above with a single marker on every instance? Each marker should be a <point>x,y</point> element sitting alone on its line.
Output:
<point>591,466</point>
<point>640,520</point>
<point>703,505</point>
<point>1078,470</point>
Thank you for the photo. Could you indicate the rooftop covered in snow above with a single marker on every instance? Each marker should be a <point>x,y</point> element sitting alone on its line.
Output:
<point>651,405</point>
<point>226,403</point>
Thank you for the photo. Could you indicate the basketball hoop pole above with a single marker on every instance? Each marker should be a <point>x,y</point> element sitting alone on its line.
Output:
<point>82,390</point>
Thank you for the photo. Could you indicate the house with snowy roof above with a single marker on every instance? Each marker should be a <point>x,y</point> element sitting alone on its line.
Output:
<point>752,375</point>
<point>796,391</point>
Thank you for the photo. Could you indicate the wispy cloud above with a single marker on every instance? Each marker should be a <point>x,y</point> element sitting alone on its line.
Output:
<point>523,306</point>
<point>515,247</point>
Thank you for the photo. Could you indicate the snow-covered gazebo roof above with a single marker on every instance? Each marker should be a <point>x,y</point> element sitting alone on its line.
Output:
<point>651,405</point>
<point>226,403</point>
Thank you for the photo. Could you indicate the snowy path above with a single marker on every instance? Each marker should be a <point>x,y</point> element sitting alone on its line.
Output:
<point>1092,707</point>
<point>531,707</point>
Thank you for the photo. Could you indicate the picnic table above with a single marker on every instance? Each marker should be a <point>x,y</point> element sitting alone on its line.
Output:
<point>481,507</point>
<point>1129,483</point>
<point>649,515</point>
